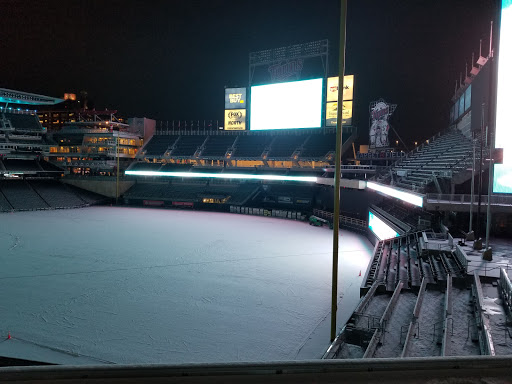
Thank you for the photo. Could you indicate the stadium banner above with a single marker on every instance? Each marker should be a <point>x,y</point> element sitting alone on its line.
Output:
<point>380,112</point>
<point>235,98</point>
<point>234,120</point>
<point>502,182</point>
<point>331,114</point>
<point>348,88</point>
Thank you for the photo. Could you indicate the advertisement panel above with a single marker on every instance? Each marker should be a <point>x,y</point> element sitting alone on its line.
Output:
<point>235,98</point>
<point>234,120</point>
<point>503,172</point>
<point>296,104</point>
<point>380,112</point>
<point>331,113</point>
<point>348,88</point>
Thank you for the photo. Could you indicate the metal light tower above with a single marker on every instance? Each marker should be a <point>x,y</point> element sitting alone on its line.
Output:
<point>337,172</point>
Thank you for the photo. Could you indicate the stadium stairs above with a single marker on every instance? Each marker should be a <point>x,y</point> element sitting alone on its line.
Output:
<point>419,301</point>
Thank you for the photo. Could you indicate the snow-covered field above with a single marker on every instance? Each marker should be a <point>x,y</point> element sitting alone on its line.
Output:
<point>133,285</point>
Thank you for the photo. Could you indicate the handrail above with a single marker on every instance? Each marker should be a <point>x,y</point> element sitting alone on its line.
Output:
<point>466,198</point>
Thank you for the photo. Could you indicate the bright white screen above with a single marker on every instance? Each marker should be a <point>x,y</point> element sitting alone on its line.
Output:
<point>296,104</point>
<point>503,172</point>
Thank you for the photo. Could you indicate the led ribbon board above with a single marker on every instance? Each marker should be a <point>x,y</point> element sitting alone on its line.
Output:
<point>310,179</point>
<point>296,104</point>
<point>379,228</point>
<point>410,198</point>
<point>503,172</point>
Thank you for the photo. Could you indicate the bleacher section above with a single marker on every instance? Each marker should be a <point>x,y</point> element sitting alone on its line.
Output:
<point>242,146</point>
<point>251,146</point>
<point>445,156</point>
<point>319,145</point>
<point>159,144</point>
<point>55,194</point>
<point>24,122</point>
<point>4,204</point>
<point>36,194</point>
<point>22,196</point>
<point>15,165</point>
<point>285,146</point>
<point>217,146</point>
<point>188,145</point>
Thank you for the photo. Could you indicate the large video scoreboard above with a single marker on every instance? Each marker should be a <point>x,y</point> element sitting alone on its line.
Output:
<point>295,104</point>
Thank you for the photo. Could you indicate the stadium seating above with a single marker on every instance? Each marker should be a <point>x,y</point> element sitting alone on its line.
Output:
<point>319,145</point>
<point>55,194</point>
<point>217,146</point>
<point>251,146</point>
<point>445,156</point>
<point>159,144</point>
<point>285,146</point>
<point>143,166</point>
<point>173,167</point>
<point>4,204</point>
<point>188,145</point>
<point>280,146</point>
<point>22,196</point>
<point>21,165</point>
<point>24,122</point>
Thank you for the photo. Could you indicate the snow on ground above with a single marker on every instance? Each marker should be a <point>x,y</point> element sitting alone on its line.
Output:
<point>133,285</point>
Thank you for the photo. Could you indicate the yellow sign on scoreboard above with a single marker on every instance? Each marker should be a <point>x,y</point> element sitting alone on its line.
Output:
<point>331,113</point>
<point>333,85</point>
<point>234,120</point>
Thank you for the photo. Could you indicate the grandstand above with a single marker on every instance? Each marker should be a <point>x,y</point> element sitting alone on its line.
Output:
<point>300,145</point>
<point>446,156</point>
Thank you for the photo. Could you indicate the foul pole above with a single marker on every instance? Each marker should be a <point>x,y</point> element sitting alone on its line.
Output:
<point>339,129</point>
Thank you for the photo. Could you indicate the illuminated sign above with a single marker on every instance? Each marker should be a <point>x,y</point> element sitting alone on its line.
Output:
<point>331,113</point>
<point>311,179</point>
<point>234,120</point>
<point>380,228</point>
<point>503,172</point>
<point>296,104</point>
<point>348,88</point>
<point>235,98</point>
<point>380,112</point>
<point>283,71</point>
<point>408,197</point>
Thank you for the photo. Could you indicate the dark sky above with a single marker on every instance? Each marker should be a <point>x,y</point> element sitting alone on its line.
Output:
<point>171,59</point>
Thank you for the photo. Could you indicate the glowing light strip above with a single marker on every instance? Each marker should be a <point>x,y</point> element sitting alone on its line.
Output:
<point>405,196</point>
<point>379,228</point>
<point>311,179</point>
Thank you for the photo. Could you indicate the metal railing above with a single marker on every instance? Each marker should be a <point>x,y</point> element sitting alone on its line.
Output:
<point>505,289</point>
<point>343,219</point>
<point>466,199</point>
<point>461,256</point>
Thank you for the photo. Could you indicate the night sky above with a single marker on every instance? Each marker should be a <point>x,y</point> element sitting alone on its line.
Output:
<point>172,59</point>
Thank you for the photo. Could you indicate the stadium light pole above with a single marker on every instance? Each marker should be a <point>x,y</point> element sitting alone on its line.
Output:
<point>337,170</point>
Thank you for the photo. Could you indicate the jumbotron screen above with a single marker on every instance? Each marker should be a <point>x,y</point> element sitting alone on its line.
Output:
<point>296,104</point>
<point>503,172</point>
